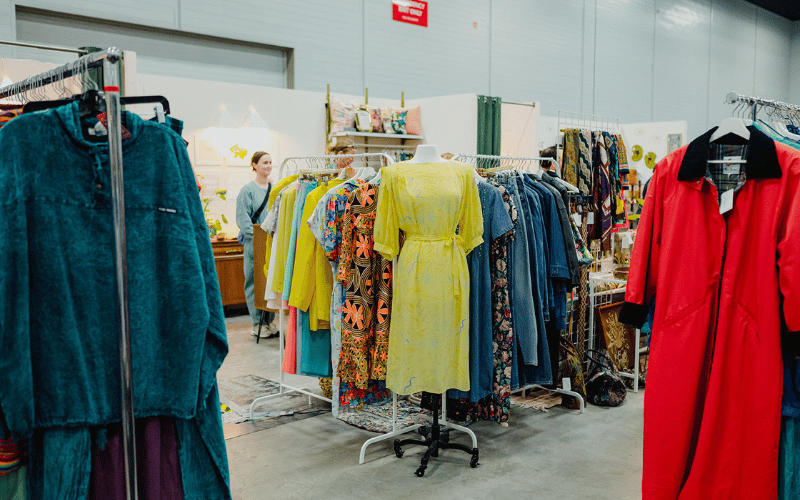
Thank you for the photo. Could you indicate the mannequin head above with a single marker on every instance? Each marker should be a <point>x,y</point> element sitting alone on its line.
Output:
<point>261,161</point>
<point>343,146</point>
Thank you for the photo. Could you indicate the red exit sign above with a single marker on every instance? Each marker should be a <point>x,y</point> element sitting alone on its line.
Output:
<point>410,11</point>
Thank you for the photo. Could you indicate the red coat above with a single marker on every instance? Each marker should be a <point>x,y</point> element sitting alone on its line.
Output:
<point>723,285</point>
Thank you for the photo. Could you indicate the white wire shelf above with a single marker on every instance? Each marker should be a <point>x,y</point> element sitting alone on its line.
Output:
<point>354,133</point>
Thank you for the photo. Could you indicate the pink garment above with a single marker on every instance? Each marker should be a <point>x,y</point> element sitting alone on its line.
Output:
<point>290,354</point>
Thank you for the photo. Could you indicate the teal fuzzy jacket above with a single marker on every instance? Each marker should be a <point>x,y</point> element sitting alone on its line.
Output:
<point>59,347</point>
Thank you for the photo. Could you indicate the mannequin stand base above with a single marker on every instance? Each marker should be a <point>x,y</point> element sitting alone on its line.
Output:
<point>439,439</point>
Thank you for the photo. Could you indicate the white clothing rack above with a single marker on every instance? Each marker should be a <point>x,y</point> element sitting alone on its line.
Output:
<point>597,123</point>
<point>489,160</point>
<point>296,163</point>
<point>322,162</point>
<point>109,59</point>
<point>492,161</point>
<point>596,279</point>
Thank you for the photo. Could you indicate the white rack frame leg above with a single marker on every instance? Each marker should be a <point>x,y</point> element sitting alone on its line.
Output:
<point>284,388</point>
<point>637,350</point>
<point>395,431</point>
<point>567,392</point>
<point>635,374</point>
<point>456,426</point>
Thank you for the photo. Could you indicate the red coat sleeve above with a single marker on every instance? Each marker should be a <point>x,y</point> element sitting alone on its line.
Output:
<point>789,250</point>
<point>641,286</point>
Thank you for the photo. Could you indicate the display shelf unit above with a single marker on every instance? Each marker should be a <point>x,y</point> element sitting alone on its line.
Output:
<point>604,297</point>
<point>348,133</point>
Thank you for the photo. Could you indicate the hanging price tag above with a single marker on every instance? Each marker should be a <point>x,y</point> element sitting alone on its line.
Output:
<point>577,219</point>
<point>726,202</point>
<point>590,218</point>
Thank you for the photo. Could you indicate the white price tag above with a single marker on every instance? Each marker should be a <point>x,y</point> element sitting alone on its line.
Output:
<point>577,219</point>
<point>590,218</point>
<point>567,385</point>
<point>726,202</point>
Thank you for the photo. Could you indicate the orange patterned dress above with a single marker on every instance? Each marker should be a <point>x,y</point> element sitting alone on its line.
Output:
<point>367,279</point>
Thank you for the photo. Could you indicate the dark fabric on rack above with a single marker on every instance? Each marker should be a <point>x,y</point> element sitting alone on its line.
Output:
<point>68,270</point>
<point>158,472</point>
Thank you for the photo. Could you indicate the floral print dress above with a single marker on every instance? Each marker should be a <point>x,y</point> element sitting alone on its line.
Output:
<point>497,405</point>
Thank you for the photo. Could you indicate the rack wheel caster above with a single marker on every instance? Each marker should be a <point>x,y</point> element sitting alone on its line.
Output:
<point>397,450</point>
<point>421,471</point>
<point>474,461</point>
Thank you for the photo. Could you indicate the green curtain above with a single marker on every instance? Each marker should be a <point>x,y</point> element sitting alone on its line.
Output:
<point>489,125</point>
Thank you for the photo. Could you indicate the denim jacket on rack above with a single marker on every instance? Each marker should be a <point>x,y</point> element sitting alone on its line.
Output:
<point>520,286</point>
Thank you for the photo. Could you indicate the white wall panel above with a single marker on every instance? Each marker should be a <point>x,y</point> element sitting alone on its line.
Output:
<point>450,56</point>
<point>158,52</point>
<point>587,60</point>
<point>623,59</point>
<point>639,60</point>
<point>537,48</point>
<point>156,13</point>
<point>681,55</point>
<point>325,36</point>
<point>772,56</point>
<point>794,65</point>
<point>732,63</point>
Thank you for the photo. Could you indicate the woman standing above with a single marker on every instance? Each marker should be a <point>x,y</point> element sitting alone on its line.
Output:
<point>251,208</point>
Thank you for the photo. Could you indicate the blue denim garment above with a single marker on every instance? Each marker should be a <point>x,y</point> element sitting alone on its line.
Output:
<point>558,265</point>
<point>523,310</point>
<point>541,252</point>
<point>55,196</point>
<point>496,222</point>
<point>540,372</point>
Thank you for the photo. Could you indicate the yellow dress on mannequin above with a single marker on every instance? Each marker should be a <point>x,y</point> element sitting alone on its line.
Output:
<point>429,332</point>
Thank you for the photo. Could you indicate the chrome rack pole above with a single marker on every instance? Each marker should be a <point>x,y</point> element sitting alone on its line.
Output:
<point>111,91</point>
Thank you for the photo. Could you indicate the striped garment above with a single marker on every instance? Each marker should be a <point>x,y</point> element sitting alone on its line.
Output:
<point>11,455</point>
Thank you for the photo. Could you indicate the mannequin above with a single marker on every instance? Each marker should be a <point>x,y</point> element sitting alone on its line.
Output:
<point>427,153</point>
<point>436,438</point>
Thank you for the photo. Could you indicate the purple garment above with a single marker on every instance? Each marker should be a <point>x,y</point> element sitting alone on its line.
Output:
<point>158,469</point>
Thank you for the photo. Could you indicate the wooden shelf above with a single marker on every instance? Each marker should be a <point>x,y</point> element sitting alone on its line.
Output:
<point>375,134</point>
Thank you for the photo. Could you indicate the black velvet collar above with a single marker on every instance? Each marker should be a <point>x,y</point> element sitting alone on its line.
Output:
<point>762,157</point>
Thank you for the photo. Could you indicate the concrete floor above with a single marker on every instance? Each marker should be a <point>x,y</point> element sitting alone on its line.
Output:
<point>559,454</point>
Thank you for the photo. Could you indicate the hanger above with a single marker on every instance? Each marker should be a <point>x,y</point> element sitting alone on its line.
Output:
<point>731,126</point>
<point>780,126</point>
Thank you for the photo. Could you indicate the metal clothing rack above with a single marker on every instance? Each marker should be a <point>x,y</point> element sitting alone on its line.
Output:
<point>109,59</point>
<point>596,279</point>
<point>754,103</point>
<point>587,121</point>
<point>492,161</point>
<point>297,164</point>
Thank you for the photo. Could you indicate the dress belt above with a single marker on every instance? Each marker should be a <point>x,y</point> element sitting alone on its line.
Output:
<point>454,240</point>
